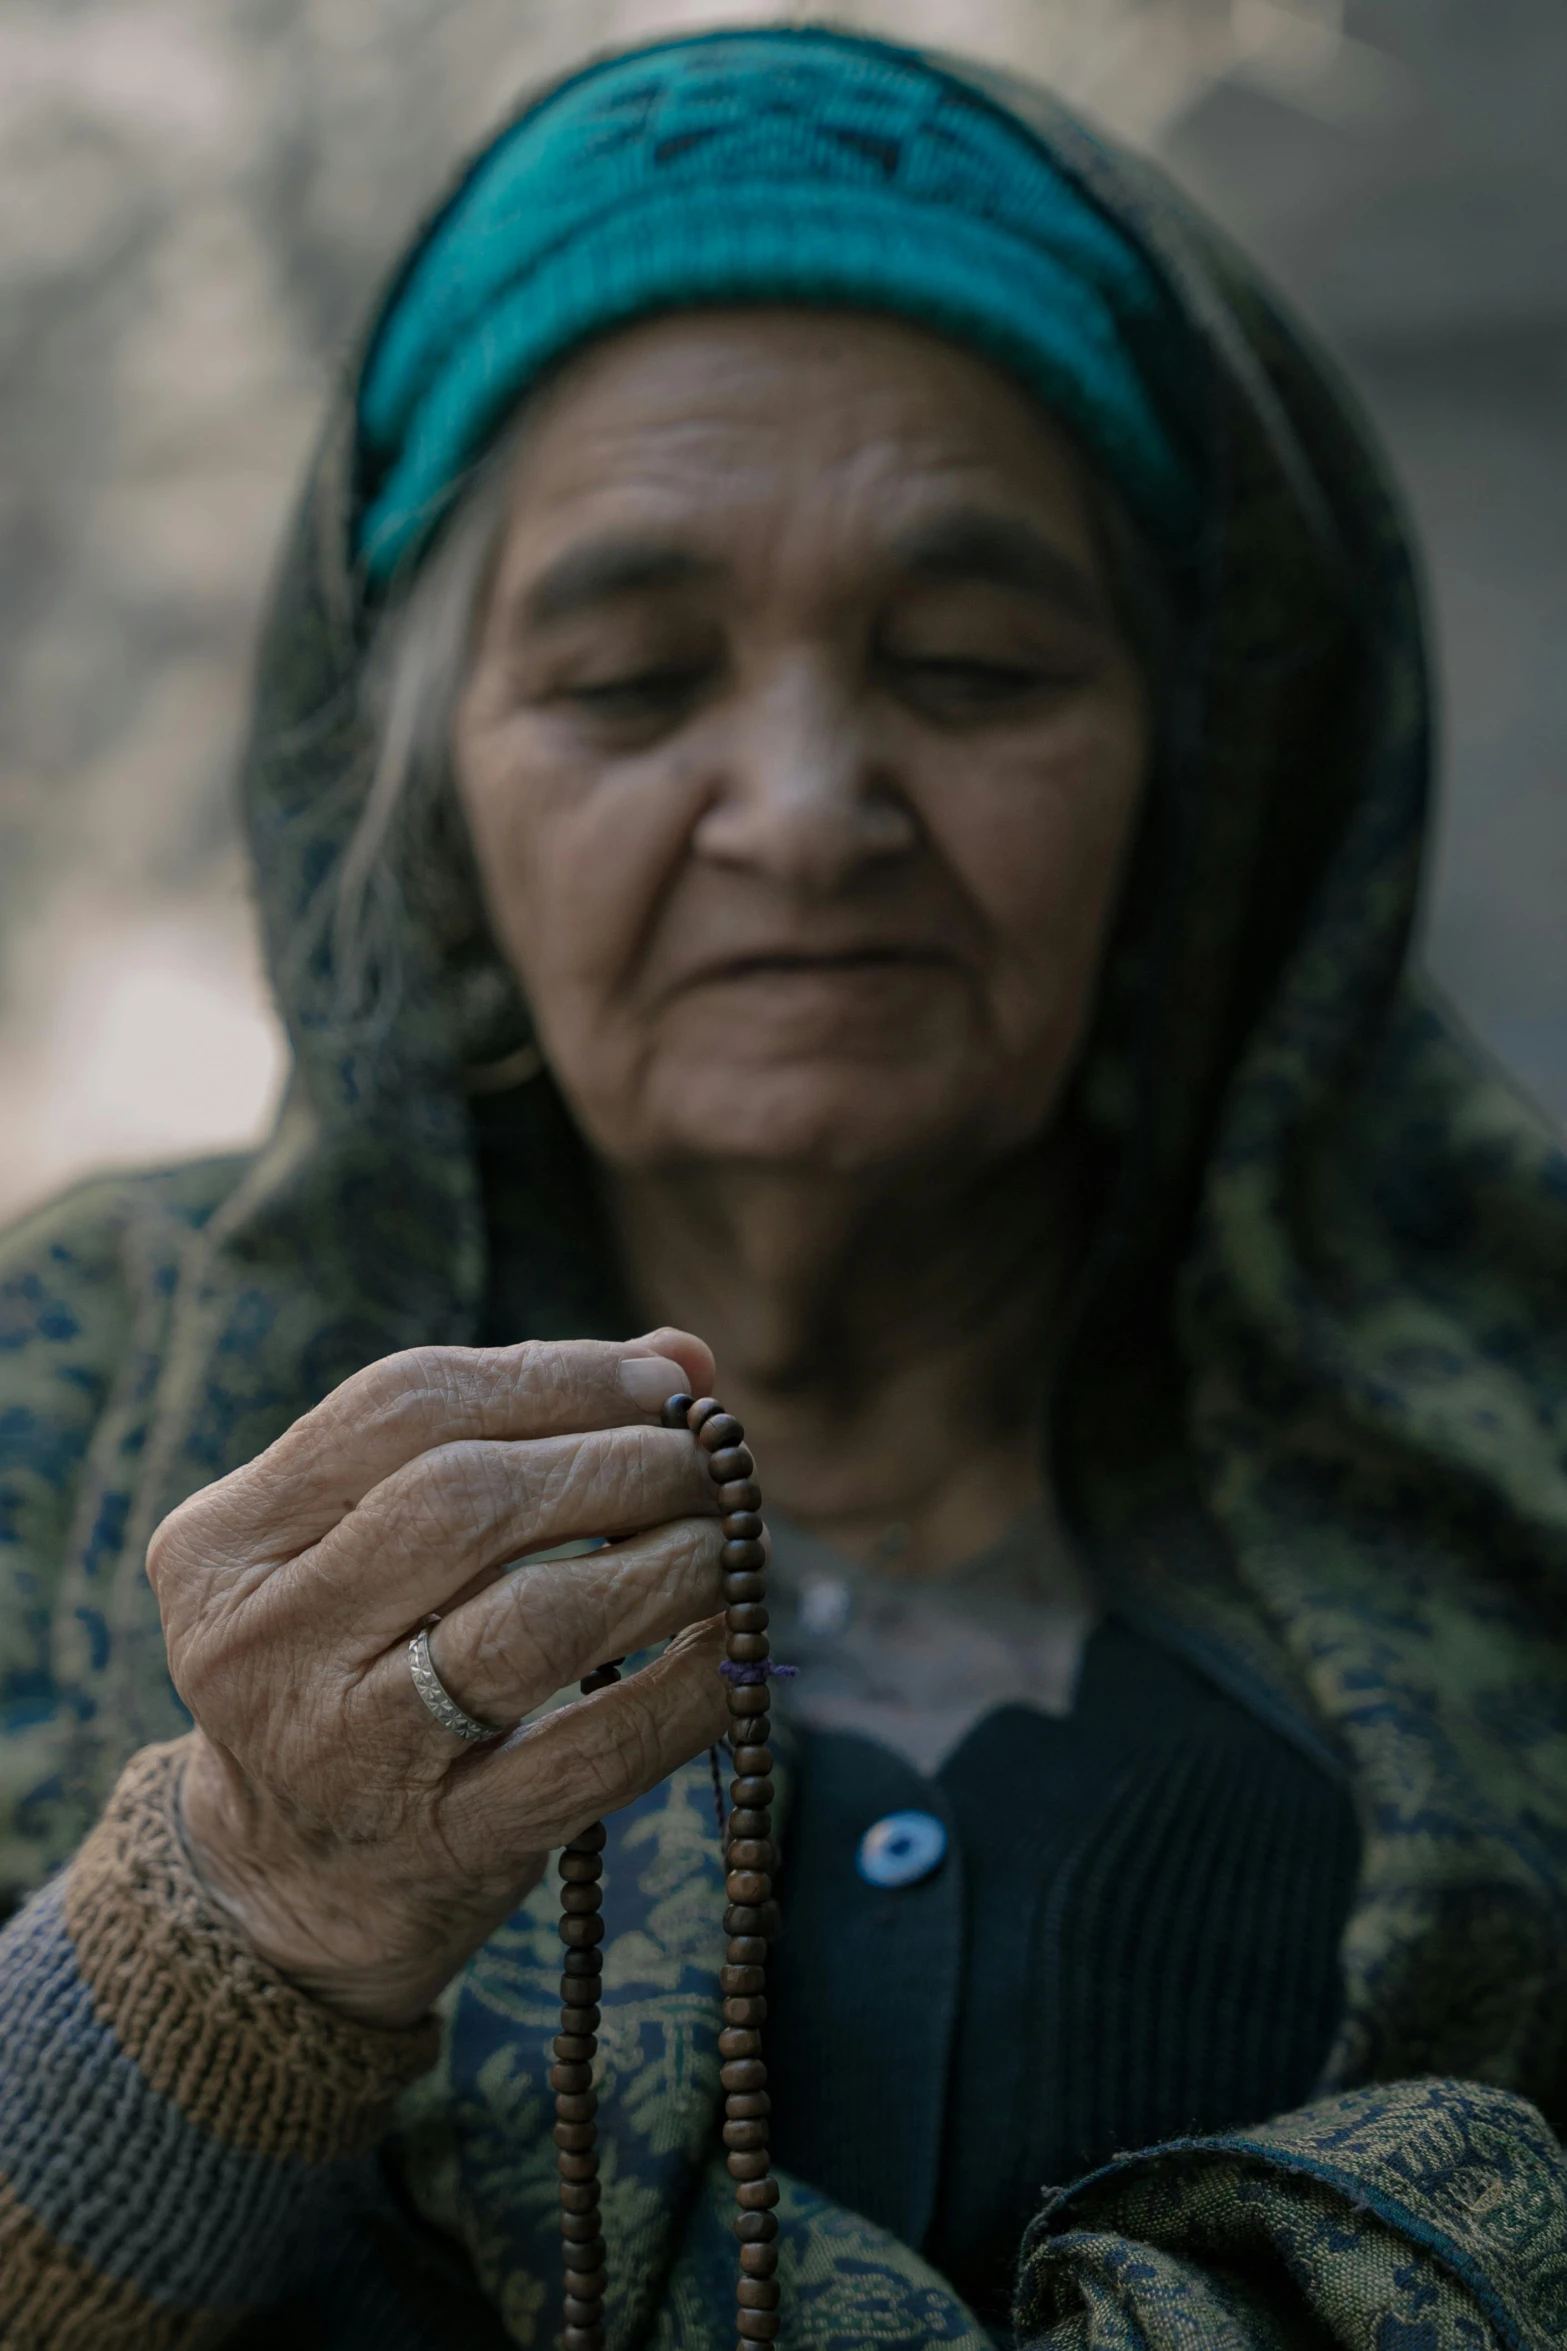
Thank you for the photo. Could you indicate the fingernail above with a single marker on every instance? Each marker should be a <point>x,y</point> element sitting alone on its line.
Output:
<point>649,1380</point>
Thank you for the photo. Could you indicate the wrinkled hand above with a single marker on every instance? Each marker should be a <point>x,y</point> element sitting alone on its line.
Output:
<point>363,1849</point>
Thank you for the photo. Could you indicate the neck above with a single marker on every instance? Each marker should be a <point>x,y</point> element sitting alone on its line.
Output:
<point>888,1345</point>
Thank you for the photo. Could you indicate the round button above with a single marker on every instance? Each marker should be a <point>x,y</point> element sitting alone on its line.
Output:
<point>901,1849</point>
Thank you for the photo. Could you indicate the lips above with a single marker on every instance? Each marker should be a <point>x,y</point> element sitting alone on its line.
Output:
<point>789,963</point>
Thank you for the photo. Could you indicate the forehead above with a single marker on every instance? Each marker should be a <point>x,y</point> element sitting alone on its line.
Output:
<point>795,424</point>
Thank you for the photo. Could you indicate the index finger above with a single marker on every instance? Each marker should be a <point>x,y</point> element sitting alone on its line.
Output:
<point>391,1412</point>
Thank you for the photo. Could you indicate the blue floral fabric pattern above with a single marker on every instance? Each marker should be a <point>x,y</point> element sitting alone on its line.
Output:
<point>1421,2217</point>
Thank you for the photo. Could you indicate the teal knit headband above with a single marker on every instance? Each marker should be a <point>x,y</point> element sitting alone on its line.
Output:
<point>770,166</point>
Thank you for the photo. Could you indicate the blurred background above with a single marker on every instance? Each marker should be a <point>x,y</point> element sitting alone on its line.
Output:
<point>199,198</point>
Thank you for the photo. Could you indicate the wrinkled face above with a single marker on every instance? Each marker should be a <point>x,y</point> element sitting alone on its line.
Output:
<point>800,745</point>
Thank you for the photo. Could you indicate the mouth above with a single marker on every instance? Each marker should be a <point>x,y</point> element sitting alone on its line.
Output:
<point>793,963</point>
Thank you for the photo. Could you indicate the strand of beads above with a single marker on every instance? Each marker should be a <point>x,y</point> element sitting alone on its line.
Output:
<point>750,1918</point>
<point>571,2076</point>
<point>749,1923</point>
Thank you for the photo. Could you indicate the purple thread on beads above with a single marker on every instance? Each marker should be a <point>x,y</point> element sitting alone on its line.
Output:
<point>746,1675</point>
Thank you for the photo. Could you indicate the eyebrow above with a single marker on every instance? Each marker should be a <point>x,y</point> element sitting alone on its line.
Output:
<point>968,545</point>
<point>606,568</point>
<point>976,545</point>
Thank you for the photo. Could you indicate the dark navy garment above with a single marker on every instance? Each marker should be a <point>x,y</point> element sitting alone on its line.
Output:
<point>1133,1935</point>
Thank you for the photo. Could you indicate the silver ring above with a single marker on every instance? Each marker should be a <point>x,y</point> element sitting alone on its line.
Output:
<point>438,1698</point>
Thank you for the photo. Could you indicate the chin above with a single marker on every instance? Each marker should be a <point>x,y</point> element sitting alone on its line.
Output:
<point>842,1119</point>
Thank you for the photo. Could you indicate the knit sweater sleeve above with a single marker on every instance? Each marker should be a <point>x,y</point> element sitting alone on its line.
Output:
<point>181,2130</point>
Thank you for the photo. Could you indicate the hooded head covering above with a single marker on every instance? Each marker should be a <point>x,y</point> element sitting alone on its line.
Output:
<point>1313,1417</point>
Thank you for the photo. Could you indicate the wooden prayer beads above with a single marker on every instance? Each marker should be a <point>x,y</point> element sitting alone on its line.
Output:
<point>571,2076</point>
<point>750,1923</point>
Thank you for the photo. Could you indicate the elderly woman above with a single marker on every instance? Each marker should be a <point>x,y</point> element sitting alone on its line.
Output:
<point>839,765</point>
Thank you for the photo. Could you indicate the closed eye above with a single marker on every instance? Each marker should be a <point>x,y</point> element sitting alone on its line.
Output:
<point>959,685</point>
<point>644,694</point>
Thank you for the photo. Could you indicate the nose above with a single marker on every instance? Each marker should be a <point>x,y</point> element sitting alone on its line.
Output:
<point>804,796</point>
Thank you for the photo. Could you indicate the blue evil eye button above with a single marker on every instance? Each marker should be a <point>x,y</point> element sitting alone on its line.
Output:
<point>901,1849</point>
